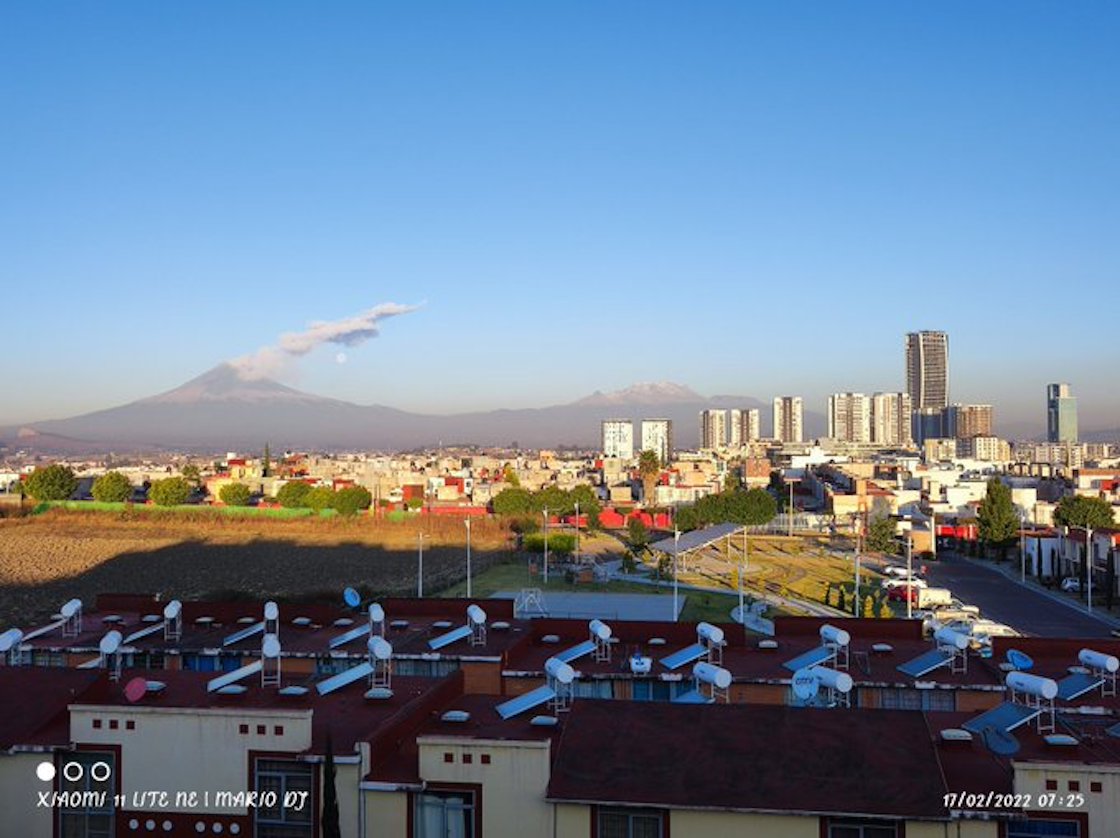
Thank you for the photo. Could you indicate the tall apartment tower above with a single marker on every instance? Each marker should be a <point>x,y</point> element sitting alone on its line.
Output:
<point>965,421</point>
<point>713,429</point>
<point>890,419</point>
<point>618,438</point>
<point>787,419</point>
<point>849,417</point>
<point>927,369</point>
<point>743,427</point>
<point>657,436</point>
<point>1061,414</point>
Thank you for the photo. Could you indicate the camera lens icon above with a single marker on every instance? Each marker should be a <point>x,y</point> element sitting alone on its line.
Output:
<point>73,772</point>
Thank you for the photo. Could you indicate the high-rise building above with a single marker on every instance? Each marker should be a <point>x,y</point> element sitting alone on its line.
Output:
<point>1061,414</point>
<point>849,417</point>
<point>927,369</point>
<point>964,421</point>
<point>657,436</point>
<point>713,429</point>
<point>787,419</point>
<point>743,427</point>
<point>618,438</point>
<point>890,419</point>
<point>928,423</point>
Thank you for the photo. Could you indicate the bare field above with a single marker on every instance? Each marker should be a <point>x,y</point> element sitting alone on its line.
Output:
<point>48,558</point>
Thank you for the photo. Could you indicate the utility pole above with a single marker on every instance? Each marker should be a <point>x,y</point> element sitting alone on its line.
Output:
<point>544,512</point>
<point>676,548</point>
<point>467,522</point>
<point>420,565</point>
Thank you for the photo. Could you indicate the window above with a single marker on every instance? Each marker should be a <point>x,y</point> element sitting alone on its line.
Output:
<point>278,730</point>
<point>485,758</point>
<point>1051,785</point>
<point>643,690</point>
<point>281,777</point>
<point>1074,785</point>
<point>243,730</point>
<point>261,730</point>
<point>424,669</point>
<point>130,725</point>
<point>468,759</point>
<point>1095,788</point>
<point>114,724</point>
<point>592,689</point>
<point>41,657</point>
<point>846,828</point>
<point>939,700</point>
<point>630,823</point>
<point>445,814</point>
<point>97,724</point>
<point>94,820</point>
<point>1033,827</point>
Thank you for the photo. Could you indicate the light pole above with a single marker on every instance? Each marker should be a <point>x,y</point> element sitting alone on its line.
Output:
<point>859,550</point>
<point>544,512</point>
<point>791,509</point>
<point>577,531</point>
<point>911,590</point>
<point>933,527</point>
<point>467,522</point>
<point>420,565</point>
<point>1089,570</point>
<point>742,572</point>
<point>676,548</point>
<point>1022,548</point>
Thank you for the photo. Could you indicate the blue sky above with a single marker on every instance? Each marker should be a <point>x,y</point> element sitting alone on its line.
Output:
<point>743,197</point>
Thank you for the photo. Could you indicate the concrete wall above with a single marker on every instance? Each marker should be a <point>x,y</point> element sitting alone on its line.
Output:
<point>957,829</point>
<point>736,825</point>
<point>19,786</point>
<point>1103,807</point>
<point>386,813</point>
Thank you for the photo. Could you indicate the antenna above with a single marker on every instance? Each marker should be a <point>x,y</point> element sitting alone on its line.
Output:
<point>351,597</point>
<point>72,613</point>
<point>173,620</point>
<point>476,620</point>
<point>109,647</point>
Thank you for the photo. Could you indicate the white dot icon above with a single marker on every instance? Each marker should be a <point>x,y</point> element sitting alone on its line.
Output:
<point>45,771</point>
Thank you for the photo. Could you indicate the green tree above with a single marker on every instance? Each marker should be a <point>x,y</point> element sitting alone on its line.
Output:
<point>191,473</point>
<point>733,480</point>
<point>510,476</point>
<point>171,491</point>
<point>996,516</point>
<point>293,495</point>
<point>1083,511</point>
<point>112,487</point>
<point>880,534</point>
<point>637,534</point>
<point>352,500</point>
<point>235,494</point>
<point>319,498</point>
<point>589,505</point>
<point>687,519</point>
<point>55,482</point>
<point>649,469</point>
<point>758,507</point>
<point>513,501</point>
<point>266,461</point>
<point>415,503</point>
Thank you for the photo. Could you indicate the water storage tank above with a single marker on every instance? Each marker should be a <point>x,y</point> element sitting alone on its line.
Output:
<point>376,613</point>
<point>10,640</point>
<point>476,615</point>
<point>380,648</point>
<point>831,634</point>
<point>559,671</point>
<point>172,610</point>
<point>110,642</point>
<point>948,637</point>
<point>599,630</point>
<point>270,646</point>
<point>271,610</point>
<point>1098,660</point>
<point>709,673</point>
<point>1024,682</point>
<point>833,679</point>
<point>713,634</point>
<point>71,608</point>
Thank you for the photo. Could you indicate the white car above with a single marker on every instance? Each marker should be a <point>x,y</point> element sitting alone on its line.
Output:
<point>895,570</point>
<point>1071,584</point>
<point>902,581</point>
<point>957,605</point>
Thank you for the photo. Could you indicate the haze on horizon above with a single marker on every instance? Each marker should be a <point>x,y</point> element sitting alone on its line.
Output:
<point>745,199</point>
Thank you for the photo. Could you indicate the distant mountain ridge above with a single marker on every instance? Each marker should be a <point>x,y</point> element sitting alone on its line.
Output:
<point>221,410</point>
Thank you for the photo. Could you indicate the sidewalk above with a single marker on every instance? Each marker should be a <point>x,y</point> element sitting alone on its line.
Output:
<point>1012,573</point>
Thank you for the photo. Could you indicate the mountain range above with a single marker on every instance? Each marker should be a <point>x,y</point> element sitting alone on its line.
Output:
<point>222,410</point>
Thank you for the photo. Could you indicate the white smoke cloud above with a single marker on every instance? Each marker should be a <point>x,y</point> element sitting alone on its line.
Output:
<point>278,360</point>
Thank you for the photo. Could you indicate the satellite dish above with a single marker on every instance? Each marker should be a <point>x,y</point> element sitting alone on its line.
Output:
<point>709,673</point>
<point>10,640</point>
<point>1023,682</point>
<point>713,634</point>
<point>805,684</point>
<point>135,690</point>
<point>380,648</point>
<point>600,629</point>
<point>172,610</point>
<point>1000,741</point>
<point>376,613</point>
<point>270,646</point>
<point>110,642</point>
<point>1019,660</point>
<point>559,670</point>
<point>476,615</point>
<point>351,597</point>
<point>1098,660</point>
<point>71,608</point>
<point>271,610</point>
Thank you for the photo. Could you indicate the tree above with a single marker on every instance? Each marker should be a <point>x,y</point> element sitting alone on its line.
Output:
<point>637,534</point>
<point>352,500</point>
<point>191,473</point>
<point>510,476</point>
<point>319,498</point>
<point>415,503</point>
<point>733,480</point>
<point>649,469</point>
<point>996,515</point>
<point>513,501</point>
<point>235,494</point>
<point>758,507</point>
<point>1083,511</point>
<point>329,823</point>
<point>171,491</point>
<point>293,495</point>
<point>266,461</point>
<point>880,534</point>
<point>112,487</point>
<point>55,482</point>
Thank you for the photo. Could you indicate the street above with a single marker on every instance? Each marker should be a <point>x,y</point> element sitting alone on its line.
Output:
<point>1004,600</point>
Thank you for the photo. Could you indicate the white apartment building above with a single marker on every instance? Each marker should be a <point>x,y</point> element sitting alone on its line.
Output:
<point>657,436</point>
<point>788,419</point>
<point>618,438</point>
<point>744,427</point>
<point>713,429</point>
<point>890,419</point>
<point>849,417</point>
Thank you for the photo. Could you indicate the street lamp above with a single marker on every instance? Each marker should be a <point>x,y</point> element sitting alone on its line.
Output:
<point>467,523</point>
<point>544,512</point>
<point>577,531</point>
<point>420,565</point>
<point>676,548</point>
<point>911,589</point>
<point>1022,547</point>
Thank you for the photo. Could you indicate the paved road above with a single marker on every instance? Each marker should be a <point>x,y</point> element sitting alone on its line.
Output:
<point>1005,600</point>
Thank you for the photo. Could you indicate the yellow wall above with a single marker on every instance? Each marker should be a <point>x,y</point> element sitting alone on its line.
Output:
<point>386,814</point>
<point>572,820</point>
<point>19,787</point>
<point>1103,807</point>
<point>956,829</point>
<point>736,825</point>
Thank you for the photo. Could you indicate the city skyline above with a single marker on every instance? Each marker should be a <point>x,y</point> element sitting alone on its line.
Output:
<point>165,221</point>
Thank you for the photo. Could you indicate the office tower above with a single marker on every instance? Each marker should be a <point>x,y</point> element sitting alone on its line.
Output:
<point>964,421</point>
<point>618,438</point>
<point>928,423</point>
<point>927,369</point>
<point>849,417</point>
<point>1061,414</point>
<point>890,419</point>
<point>713,429</point>
<point>743,427</point>
<point>787,419</point>
<point>657,436</point>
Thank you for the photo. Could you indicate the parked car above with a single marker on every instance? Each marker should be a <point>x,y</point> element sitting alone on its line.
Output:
<point>1071,584</point>
<point>895,570</point>
<point>905,582</point>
